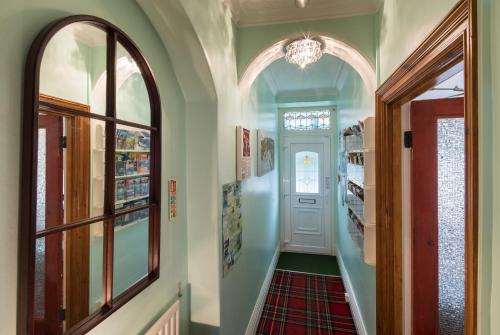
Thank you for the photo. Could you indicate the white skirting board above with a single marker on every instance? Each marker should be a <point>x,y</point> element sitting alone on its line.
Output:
<point>253,323</point>
<point>353,302</point>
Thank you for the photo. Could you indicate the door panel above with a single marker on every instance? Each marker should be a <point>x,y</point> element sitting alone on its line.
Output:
<point>306,198</point>
<point>429,239</point>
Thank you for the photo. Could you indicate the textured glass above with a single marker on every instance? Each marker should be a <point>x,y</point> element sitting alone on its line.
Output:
<point>59,175</point>
<point>451,225</point>
<point>307,172</point>
<point>71,262</point>
<point>131,246</point>
<point>307,120</point>
<point>40,223</point>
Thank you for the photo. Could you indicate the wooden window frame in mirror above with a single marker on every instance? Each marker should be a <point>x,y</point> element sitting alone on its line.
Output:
<point>34,104</point>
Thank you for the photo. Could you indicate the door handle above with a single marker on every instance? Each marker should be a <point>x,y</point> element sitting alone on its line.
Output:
<point>327,183</point>
<point>307,201</point>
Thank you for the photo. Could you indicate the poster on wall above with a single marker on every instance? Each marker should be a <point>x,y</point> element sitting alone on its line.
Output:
<point>231,225</point>
<point>265,152</point>
<point>172,199</point>
<point>243,158</point>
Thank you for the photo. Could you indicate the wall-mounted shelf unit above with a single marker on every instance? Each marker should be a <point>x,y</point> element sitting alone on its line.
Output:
<point>358,185</point>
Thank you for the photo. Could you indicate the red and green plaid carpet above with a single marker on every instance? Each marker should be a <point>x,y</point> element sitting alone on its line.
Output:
<point>302,303</point>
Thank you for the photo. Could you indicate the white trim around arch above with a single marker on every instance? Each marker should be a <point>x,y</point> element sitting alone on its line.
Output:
<point>334,47</point>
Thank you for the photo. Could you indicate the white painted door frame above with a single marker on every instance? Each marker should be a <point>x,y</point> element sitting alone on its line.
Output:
<point>324,199</point>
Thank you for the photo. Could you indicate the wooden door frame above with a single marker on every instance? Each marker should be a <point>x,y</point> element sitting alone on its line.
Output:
<point>76,203</point>
<point>452,41</point>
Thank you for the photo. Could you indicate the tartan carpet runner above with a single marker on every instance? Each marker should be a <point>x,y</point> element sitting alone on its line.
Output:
<point>302,303</point>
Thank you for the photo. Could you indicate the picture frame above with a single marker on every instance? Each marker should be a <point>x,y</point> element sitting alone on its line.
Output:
<point>266,149</point>
<point>243,153</point>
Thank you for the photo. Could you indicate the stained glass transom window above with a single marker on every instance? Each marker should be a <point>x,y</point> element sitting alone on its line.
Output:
<point>311,120</point>
<point>307,172</point>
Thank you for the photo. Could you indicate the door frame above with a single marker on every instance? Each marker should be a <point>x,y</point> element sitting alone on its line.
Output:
<point>328,157</point>
<point>438,57</point>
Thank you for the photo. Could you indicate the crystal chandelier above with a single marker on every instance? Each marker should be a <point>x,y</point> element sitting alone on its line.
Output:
<point>304,51</point>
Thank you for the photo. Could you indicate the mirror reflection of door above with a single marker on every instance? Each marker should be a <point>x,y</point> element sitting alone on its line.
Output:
<point>307,194</point>
<point>438,217</point>
<point>48,284</point>
<point>62,283</point>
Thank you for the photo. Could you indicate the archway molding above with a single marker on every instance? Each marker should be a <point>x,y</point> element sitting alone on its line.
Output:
<point>333,46</point>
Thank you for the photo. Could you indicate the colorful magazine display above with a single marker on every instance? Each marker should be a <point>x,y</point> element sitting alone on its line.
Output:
<point>132,140</point>
<point>120,190</point>
<point>132,162</point>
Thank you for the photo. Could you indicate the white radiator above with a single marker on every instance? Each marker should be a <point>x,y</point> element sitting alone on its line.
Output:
<point>168,324</point>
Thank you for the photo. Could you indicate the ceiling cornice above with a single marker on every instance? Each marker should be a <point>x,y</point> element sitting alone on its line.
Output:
<point>247,13</point>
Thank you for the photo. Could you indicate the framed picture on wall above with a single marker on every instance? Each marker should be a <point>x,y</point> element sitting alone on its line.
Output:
<point>243,153</point>
<point>265,152</point>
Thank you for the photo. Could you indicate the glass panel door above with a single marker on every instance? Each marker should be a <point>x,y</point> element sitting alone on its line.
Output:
<point>451,225</point>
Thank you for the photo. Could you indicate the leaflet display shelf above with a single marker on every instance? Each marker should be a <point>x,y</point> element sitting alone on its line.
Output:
<point>132,163</point>
<point>358,166</point>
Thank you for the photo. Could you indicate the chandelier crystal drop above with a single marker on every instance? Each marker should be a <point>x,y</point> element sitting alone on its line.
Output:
<point>303,52</point>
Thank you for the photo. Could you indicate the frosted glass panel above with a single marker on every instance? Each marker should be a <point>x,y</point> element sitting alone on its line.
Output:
<point>68,274</point>
<point>306,172</point>
<point>451,225</point>
<point>39,311</point>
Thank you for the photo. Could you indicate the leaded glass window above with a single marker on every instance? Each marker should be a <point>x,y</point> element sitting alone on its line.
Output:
<point>310,120</point>
<point>307,172</point>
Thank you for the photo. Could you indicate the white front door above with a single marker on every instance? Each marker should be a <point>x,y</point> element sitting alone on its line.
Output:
<point>306,194</point>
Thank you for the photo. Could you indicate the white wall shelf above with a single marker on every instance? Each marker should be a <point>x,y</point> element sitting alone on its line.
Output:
<point>358,177</point>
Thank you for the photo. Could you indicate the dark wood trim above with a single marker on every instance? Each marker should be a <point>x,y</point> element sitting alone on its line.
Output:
<point>34,102</point>
<point>453,40</point>
<point>109,187</point>
<point>74,225</point>
<point>136,125</point>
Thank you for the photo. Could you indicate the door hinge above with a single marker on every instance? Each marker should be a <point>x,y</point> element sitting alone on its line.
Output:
<point>61,314</point>
<point>408,139</point>
<point>63,142</point>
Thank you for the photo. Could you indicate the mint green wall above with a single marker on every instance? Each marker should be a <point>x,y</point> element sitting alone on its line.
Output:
<point>214,109</point>
<point>354,104</point>
<point>260,213</point>
<point>212,22</point>
<point>403,25</point>
<point>357,31</point>
<point>490,11</point>
<point>23,20</point>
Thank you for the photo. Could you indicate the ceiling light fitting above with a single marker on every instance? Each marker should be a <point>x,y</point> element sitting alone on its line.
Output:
<point>304,51</point>
<point>301,3</point>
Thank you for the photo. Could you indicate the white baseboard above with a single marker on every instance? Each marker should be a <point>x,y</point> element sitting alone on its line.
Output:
<point>353,302</point>
<point>261,299</point>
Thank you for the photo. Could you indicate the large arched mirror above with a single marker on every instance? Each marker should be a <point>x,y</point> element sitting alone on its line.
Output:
<point>91,179</point>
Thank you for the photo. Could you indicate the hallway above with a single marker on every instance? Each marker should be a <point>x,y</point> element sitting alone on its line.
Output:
<point>250,167</point>
<point>306,296</point>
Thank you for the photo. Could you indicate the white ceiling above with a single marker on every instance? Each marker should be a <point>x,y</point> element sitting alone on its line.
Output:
<point>321,80</point>
<point>451,88</point>
<point>261,12</point>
